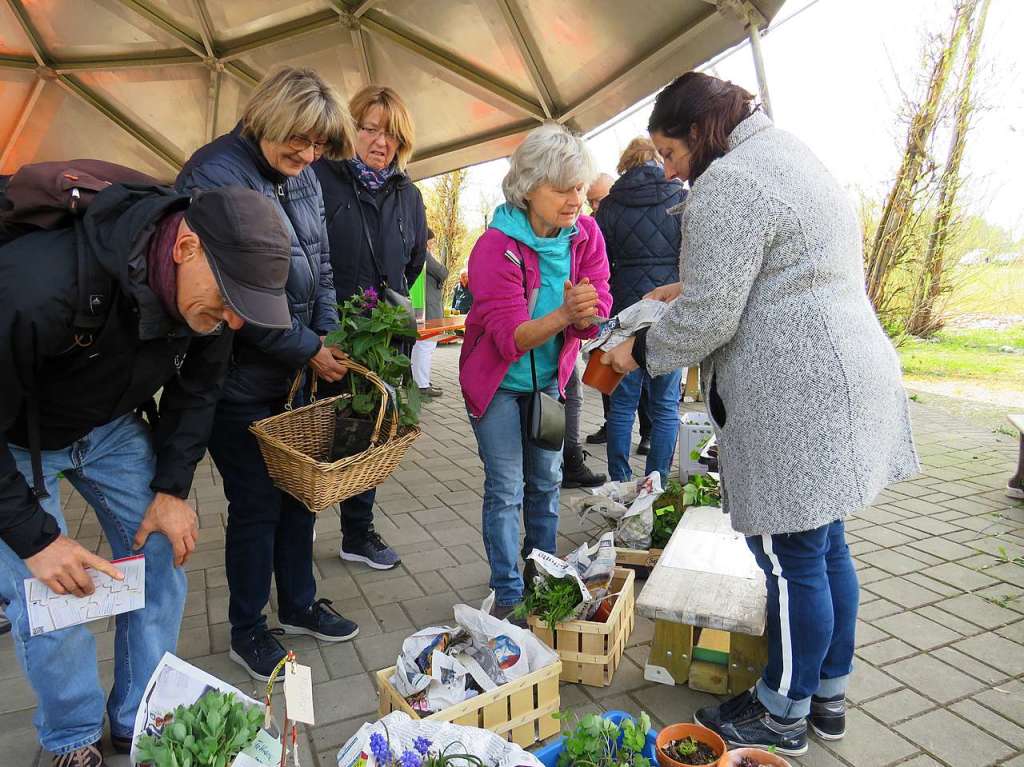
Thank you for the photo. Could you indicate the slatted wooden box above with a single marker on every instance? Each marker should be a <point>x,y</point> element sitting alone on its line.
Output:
<point>591,650</point>
<point>637,557</point>
<point>520,711</point>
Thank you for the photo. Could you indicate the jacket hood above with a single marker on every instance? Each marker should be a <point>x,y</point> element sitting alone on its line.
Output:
<point>266,170</point>
<point>643,186</point>
<point>118,227</point>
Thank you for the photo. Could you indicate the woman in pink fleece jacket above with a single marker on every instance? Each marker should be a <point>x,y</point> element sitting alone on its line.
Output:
<point>539,276</point>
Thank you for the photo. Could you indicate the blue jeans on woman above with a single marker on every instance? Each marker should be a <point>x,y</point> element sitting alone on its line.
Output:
<point>813,596</point>
<point>520,481</point>
<point>111,467</point>
<point>663,410</point>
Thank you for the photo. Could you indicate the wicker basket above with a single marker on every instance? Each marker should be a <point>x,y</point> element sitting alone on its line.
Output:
<point>297,443</point>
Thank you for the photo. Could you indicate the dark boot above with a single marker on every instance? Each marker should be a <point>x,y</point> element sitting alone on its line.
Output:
<point>575,472</point>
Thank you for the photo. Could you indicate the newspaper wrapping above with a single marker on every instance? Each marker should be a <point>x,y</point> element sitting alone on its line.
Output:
<point>627,507</point>
<point>592,568</point>
<point>626,323</point>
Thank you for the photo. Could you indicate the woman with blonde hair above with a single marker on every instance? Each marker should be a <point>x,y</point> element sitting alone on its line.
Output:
<point>292,118</point>
<point>378,233</point>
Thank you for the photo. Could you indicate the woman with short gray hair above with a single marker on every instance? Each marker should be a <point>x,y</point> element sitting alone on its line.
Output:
<point>802,384</point>
<point>540,276</point>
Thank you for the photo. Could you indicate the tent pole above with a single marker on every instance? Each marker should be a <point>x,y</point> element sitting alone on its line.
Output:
<point>762,79</point>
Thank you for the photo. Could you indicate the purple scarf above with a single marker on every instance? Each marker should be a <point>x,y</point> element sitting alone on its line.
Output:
<point>372,179</point>
<point>161,270</point>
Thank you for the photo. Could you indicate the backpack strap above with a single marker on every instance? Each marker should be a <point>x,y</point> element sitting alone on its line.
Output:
<point>94,291</point>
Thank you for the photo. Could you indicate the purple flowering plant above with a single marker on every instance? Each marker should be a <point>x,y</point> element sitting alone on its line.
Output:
<point>420,755</point>
<point>368,331</point>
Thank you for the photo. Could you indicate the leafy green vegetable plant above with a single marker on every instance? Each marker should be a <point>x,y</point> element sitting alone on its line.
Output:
<point>702,490</point>
<point>209,733</point>
<point>553,599</point>
<point>598,742</point>
<point>668,510</point>
<point>367,328</point>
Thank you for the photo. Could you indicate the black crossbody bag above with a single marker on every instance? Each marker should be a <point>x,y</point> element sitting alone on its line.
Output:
<point>545,415</point>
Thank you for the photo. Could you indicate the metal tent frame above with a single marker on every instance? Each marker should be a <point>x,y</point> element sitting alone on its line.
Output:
<point>478,74</point>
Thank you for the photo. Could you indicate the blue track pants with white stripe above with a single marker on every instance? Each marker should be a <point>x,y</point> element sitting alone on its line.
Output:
<point>812,615</point>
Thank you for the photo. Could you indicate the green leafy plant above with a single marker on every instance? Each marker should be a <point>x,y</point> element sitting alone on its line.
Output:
<point>668,510</point>
<point>598,742</point>
<point>702,490</point>
<point>367,329</point>
<point>552,599</point>
<point>209,733</point>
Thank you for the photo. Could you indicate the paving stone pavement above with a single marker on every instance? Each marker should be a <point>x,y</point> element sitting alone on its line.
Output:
<point>940,663</point>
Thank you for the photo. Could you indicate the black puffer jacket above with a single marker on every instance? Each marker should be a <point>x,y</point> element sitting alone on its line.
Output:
<point>138,350</point>
<point>642,237</point>
<point>265,361</point>
<point>395,220</point>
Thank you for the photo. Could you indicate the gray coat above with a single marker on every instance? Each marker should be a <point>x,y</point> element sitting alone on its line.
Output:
<point>433,287</point>
<point>801,381</point>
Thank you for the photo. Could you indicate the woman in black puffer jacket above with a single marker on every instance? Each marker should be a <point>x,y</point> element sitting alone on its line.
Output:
<point>641,232</point>
<point>292,118</point>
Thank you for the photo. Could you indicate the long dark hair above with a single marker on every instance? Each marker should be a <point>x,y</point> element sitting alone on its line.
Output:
<point>711,105</point>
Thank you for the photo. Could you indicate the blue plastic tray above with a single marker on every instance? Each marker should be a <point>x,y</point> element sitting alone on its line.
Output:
<point>548,754</point>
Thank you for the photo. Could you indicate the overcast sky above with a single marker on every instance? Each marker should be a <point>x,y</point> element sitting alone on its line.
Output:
<point>835,74</point>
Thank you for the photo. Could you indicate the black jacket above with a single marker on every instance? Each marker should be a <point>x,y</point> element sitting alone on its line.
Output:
<point>265,361</point>
<point>433,288</point>
<point>394,218</point>
<point>139,350</point>
<point>642,237</point>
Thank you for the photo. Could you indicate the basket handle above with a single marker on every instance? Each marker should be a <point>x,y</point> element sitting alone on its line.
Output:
<point>298,383</point>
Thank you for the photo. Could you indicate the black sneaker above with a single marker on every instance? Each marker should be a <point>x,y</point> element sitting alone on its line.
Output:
<point>322,621</point>
<point>121,745</point>
<point>828,717</point>
<point>371,551</point>
<point>743,721</point>
<point>5,625</point>
<point>575,472</point>
<point>599,437</point>
<point>504,613</point>
<point>644,447</point>
<point>259,653</point>
<point>86,756</point>
<point>431,391</point>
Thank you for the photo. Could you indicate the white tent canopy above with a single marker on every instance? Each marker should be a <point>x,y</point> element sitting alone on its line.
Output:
<point>146,82</point>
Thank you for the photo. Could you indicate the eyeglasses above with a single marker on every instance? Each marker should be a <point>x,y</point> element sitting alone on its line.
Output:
<point>301,144</point>
<point>375,133</point>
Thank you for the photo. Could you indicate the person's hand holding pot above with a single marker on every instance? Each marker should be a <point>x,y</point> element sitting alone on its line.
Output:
<point>620,358</point>
<point>666,293</point>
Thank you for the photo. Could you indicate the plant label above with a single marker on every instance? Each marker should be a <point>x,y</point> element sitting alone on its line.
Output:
<point>298,693</point>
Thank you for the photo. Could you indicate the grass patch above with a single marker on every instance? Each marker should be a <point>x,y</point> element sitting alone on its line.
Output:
<point>987,289</point>
<point>984,356</point>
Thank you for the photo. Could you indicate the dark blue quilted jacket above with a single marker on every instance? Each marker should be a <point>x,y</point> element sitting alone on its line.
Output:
<point>265,361</point>
<point>641,236</point>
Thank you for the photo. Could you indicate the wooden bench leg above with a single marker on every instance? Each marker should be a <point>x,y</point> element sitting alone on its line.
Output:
<point>1017,480</point>
<point>747,658</point>
<point>671,653</point>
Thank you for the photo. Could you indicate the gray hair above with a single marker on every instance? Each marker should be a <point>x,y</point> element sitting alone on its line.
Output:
<point>549,154</point>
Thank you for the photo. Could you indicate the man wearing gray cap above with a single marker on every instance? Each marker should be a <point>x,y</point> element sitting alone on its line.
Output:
<point>181,274</point>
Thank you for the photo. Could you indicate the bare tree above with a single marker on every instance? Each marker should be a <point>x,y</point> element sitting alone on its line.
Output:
<point>895,224</point>
<point>444,217</point>
<point>924,318</point>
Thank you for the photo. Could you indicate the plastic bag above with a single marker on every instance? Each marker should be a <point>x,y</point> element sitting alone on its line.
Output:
<point>626,507</point>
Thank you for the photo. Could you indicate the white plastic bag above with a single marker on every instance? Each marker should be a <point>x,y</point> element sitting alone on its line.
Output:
<point>627,507</point>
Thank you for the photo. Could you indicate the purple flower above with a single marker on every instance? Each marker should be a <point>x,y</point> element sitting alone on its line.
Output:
<point>421,744</point>
<point>370,297</point>
<point>410,759</point>
<point>380,749</point>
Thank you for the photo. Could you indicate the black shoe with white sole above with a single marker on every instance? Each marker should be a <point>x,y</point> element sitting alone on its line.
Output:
<point>322,621</point>
<point>258,652</point>
<point>828,717</point>
<point>744,722</point>
<point>371,551</point>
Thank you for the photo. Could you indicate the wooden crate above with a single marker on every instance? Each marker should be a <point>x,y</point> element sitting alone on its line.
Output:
<point>637,557</point>
<point>520,711</point>
<point>591,651</point>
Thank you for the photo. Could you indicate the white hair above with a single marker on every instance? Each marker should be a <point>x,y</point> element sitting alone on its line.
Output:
<point>549,154</point>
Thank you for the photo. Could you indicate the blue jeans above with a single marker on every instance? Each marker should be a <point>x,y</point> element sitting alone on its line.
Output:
<point>812,615</point>
<point>111,467</point>
<point>663,410</point>
<point>519,480</point>
<point>269,532</point>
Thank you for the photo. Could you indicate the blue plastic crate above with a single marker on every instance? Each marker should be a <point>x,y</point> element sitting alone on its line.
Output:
<point>548,754</point>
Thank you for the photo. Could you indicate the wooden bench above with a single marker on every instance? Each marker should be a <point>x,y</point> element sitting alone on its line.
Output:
<point>1015,487</point>
<point>706,596</point>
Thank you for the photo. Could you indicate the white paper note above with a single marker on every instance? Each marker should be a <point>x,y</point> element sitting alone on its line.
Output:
<point>298,693</point>
<point>49,611</point>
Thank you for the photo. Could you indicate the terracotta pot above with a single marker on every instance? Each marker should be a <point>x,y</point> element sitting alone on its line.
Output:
<point>604,611</point>
<point>685,730</point>
<point>760,756</point>
<point>601,377</point>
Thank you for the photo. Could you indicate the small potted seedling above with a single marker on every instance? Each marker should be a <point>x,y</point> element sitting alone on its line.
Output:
<point>688,745</point>
<point>752,757</point>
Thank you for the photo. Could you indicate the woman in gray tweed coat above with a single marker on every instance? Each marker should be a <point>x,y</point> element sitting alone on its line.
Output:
<point>801,382</point>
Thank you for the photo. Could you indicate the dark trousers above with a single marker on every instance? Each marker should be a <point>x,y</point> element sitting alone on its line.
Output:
<point>269,532</point>
<point>357,517</point>
<point>645,419</point>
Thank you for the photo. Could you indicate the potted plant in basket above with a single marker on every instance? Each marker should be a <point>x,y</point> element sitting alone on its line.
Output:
<point>367,331</point>
<point>209,733</point>
<point>604,741</point>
